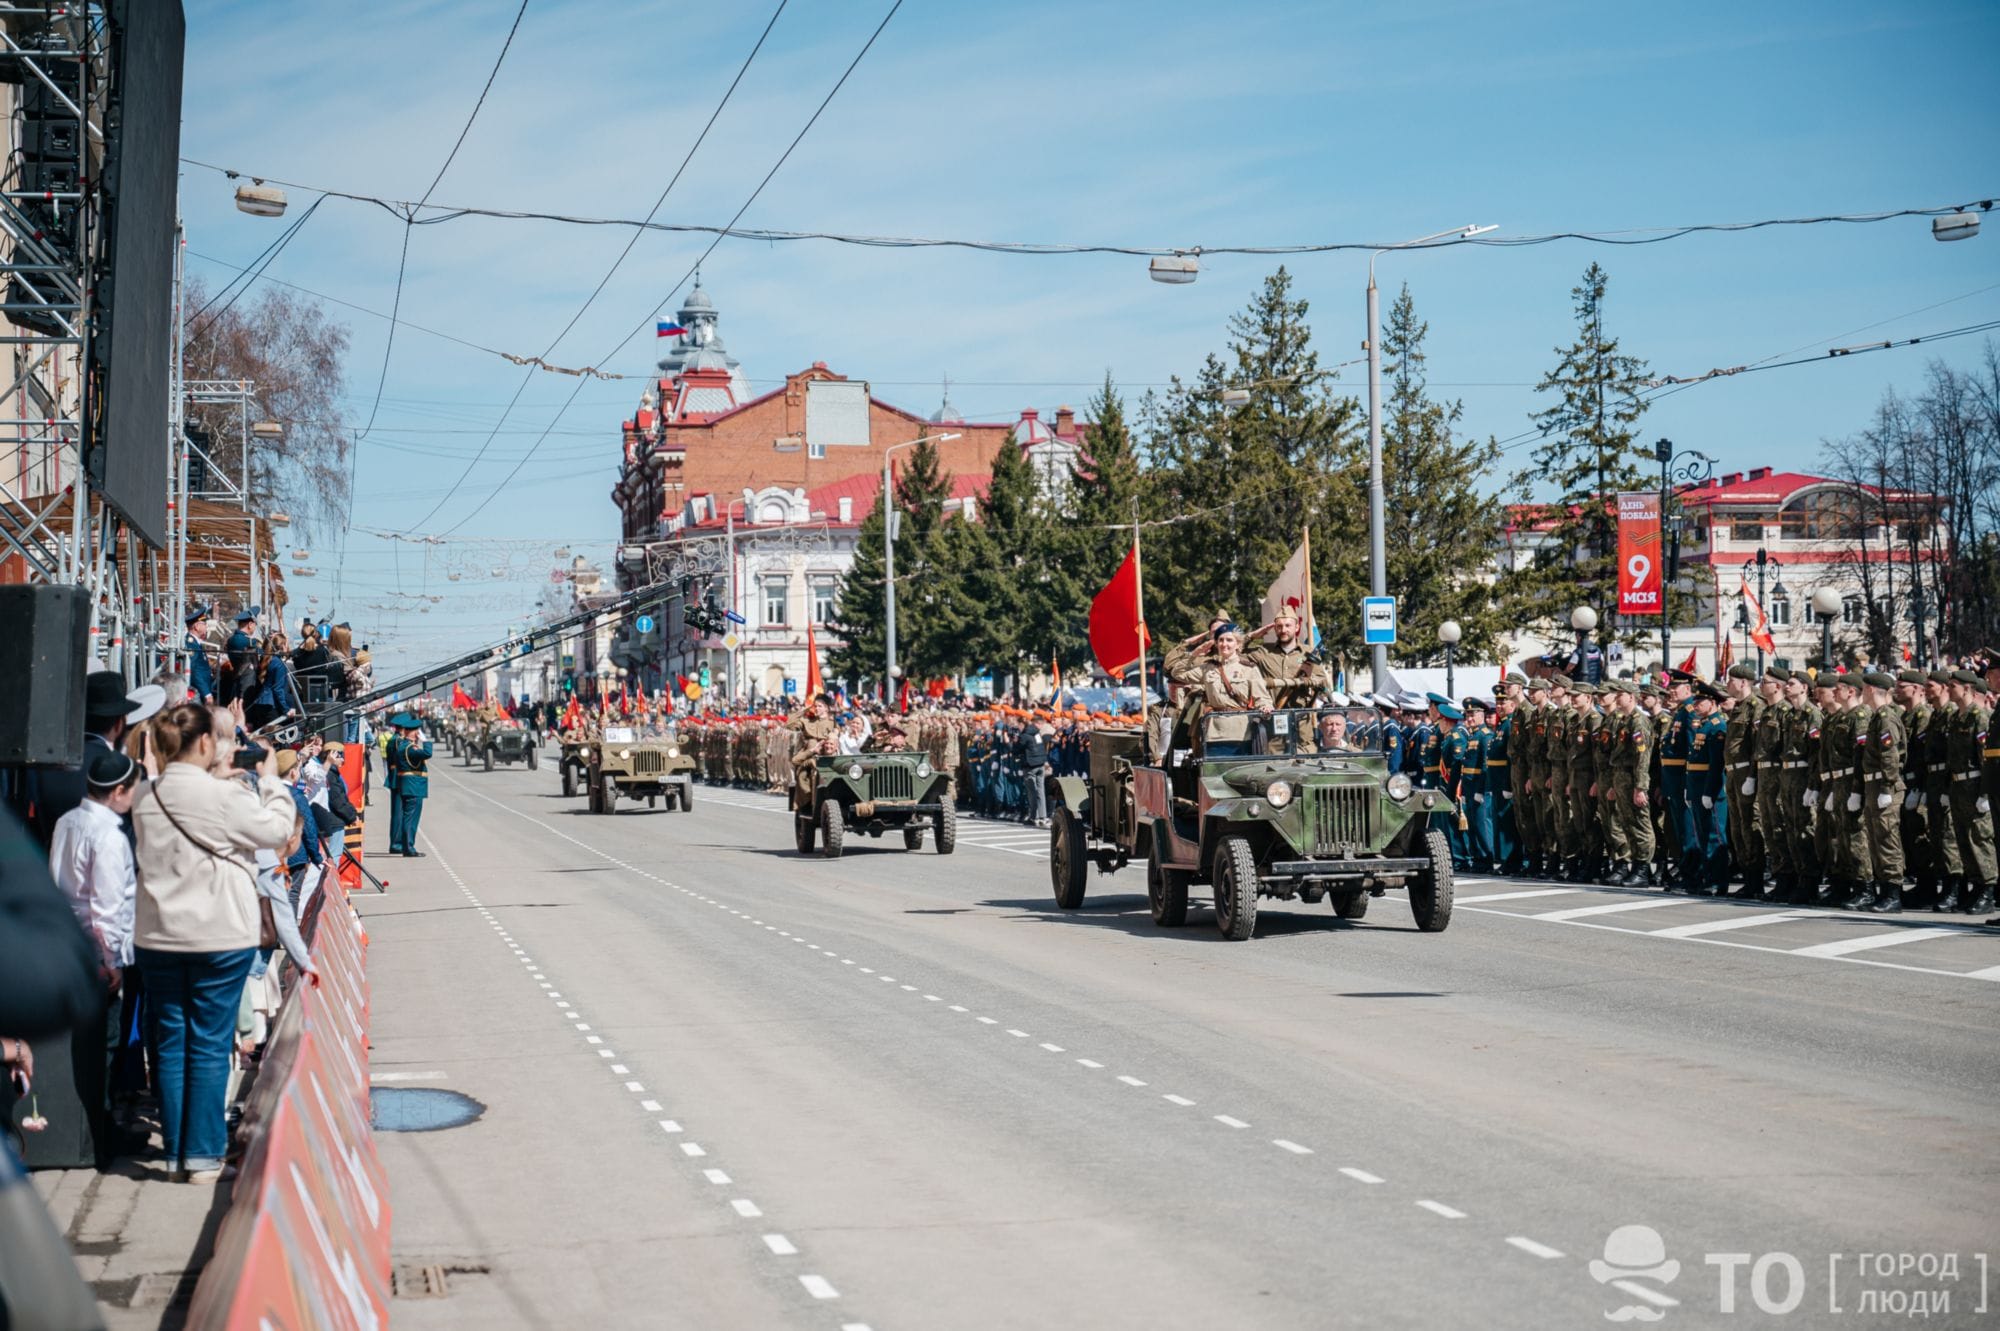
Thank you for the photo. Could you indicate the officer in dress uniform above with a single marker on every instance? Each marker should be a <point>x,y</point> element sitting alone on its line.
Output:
<point>1474,739</point>
<point>1673,769</point>
<point>1500,777</point>
<point>240,655</point>
<point>409,772</point>
<point>1442,772</point>
<point>1707,867</point>
<point>201,676</point>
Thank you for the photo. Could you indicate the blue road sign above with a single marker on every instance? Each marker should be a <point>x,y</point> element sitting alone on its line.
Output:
<point>1378,620</point>
<point>734,618</point>
<point>644,623</point>
<point>791,686</point>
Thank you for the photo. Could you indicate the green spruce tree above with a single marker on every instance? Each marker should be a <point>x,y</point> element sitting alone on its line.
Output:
<point>858,619</point>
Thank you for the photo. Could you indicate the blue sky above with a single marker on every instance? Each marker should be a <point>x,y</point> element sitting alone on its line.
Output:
<point>1134,123</point>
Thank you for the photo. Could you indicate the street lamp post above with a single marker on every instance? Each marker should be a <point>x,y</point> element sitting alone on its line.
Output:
<point>1826,604</point>
<point>1378,561</point>
<point>1449,633</point>
<point>890,675</point>
<point>1584,620</point>
<point>1687,467</point>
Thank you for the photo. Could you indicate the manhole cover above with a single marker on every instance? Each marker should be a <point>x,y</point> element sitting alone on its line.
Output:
<point>420,1109</point>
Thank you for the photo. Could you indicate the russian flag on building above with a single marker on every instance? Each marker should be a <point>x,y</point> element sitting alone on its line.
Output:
<point>668,329</point>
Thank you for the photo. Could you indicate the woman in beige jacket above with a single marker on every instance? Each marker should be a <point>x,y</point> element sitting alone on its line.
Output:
<point>197,918</point>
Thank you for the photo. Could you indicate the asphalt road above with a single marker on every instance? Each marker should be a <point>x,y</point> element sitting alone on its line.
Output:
<point>725,1085</point>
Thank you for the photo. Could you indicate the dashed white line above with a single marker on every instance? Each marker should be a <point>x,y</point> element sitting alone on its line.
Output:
<point>1439,1208</point>
<point>715,1176</point>
<point>1130,1081</point>
<point>1052,1048</point>
<point>1089,1063</point>
<point>634,1087</point>
<point>650,1106</point>
<point>668,1125</point>
<point>819,1287</point>
<point>1019,1035</point>
<point>1180,1100</point>
<point>1292,1146</point>
<point>692,1149</point>
<point>1228,1122</point>
<point>1533,1248</point>
<point>745,1207</point>
<point>780,1246</point>
<point>1360,1175</point>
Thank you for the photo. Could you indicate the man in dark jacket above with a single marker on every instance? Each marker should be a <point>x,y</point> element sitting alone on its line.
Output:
<point>201,678</point>
<point>1031,752</point>
<point>239,680</point>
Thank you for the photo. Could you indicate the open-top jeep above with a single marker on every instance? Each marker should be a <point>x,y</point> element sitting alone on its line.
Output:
<point>574,762</point>
<point>648,768</point>
<point>458,729</point>
<point>1281,804</point>
<point>501,740</point>
<point>874,793</point>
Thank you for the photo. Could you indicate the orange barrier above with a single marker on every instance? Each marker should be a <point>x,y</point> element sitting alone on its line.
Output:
<point>306,1239</point>
<point>353,772</point>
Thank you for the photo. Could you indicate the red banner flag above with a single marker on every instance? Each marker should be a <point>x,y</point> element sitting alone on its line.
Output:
<point>1726,657</point>
<point>1689,666</point>
<point>1117,633</point>
<point>1760,624</point>
<point>815,684</point>
<point>1639,577</point>
<point>461,699</point>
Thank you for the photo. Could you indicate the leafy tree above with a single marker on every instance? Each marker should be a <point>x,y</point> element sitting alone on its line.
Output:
<point>1589,453</point>
<point>1439,528</point>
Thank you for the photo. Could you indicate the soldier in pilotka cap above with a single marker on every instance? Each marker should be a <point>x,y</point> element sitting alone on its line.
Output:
<point>1739,755</point>
<point>1879,758</point>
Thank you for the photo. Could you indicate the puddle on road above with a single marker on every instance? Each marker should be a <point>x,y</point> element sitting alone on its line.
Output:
<point>420,1109</point>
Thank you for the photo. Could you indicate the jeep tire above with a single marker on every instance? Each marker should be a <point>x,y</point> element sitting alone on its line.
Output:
<point>1351,904</point>
<point>803,831</point>
<point>913,836</point>
<point>832,828</point>
<point>1166,891</point>
<point>1069,870</point>
<point>1431,891</point>
<point>1235,878</point>
<point>945,824</point>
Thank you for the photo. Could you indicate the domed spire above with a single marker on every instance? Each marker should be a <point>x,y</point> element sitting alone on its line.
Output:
<point>946,414</point>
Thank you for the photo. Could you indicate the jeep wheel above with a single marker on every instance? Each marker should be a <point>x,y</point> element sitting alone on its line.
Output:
<point>596,798</point>
<point>532,760</point>
<point>489,757</point>
<point>803,832</point>
<point>1235,876</point>
<point>1351,905</point>
<point>684,797</point>
<point>913,836</point>
<point>569,780</point>
<point>832,829</point>
<point>1166,891</point>
<point>945,823</point>
<point>1068,869</point>
<point>610,795</point>
<point>1431,892</point>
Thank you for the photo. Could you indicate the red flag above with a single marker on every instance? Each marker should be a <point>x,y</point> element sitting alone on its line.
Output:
<point>1117,633</point>
<point>1688,666</point>
<point>903,697</point>
<point>1726,657</point>
<point>1760,625</point>
<point>1055,674</point>
<point>1906,652</point>
<point>460,698</point>
<point>815,684</point>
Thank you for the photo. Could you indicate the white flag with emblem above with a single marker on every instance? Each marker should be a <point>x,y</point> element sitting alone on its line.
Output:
<point>1293,589</point>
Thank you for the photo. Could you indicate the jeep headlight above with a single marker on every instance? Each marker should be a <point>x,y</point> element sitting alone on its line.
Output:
<point>854,772</point>
<point>923,770</point>
<point>673,752</point>
<point>624,753</point>
<point>1399,787</point>
<point>1278,793</point>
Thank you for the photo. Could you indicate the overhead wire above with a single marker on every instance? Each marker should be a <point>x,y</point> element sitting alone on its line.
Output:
<point>541,361</point>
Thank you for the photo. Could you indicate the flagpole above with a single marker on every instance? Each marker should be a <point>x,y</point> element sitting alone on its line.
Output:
<point>1139,578</point>
<point>1312,627</point>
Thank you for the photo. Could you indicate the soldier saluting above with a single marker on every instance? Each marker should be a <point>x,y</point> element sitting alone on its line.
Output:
<point>1293,677</point>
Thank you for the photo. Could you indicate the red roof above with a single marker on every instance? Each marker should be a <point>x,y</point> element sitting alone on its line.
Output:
<point>865,487</point>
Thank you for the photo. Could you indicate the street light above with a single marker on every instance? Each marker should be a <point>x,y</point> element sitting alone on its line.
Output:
<point>889,556</point>
<point>1584,620</point>
<point>1449,633</point>
<point>1689,466</point>
<point>1826,603</point>
<point>1955,226</point>
<point>1378,558</point>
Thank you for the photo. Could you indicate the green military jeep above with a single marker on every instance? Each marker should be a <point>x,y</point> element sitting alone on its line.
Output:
<point>574,763</point>
<point>503,741</point>
<point>651,768</point>
<point>1295,804</point>
<point>874,793</point>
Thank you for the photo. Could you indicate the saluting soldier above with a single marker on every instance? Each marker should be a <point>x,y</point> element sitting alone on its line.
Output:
<point>409,770</point>
<point>1739,755</point>
<point>1970,809</point>
<point>812,730</point>
<point>1880,759</point>
<point>1292,677</point>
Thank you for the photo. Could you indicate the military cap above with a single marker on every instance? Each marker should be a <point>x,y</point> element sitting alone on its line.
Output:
<point>1879,679</point>
<point>1779,673</point>
<point>248,613</point>
<point>1476,705</point>
<point>1965,677</point>
<point>1584,687</point>
<point>1337,698</point>
<point>1938,677</point>
<point>1515,677</point>
<point>1843,679</point>
<point>198,612</point>
<point>1741,671</point>
<point>1538,685</point>
<point>1651,690</point>
<point>1680,677</point>
<point>1449,712</point>
<point>1437,699</point>
<point>1704,689</point>
<point>1910,677</point>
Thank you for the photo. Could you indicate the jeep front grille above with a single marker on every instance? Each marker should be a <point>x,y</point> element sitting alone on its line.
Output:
<point>1341,817</point>
<point>646,762</point>
<point>892,781</point>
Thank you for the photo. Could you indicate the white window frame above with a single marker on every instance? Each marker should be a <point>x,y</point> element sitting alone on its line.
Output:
<point>1781,612</point>
<point>830,584</point>
<point>776,587</point>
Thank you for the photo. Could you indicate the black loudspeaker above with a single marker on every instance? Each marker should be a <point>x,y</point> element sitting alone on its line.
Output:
<point>42,661</point>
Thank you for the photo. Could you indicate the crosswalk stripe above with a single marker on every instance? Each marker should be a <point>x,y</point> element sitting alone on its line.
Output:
<point>1615,908</point>
<point>1522,896</point>
<point>1869,942</point>
<point>1718,926</point>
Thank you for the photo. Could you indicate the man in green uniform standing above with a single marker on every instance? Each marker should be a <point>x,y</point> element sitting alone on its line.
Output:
<point>1879,757</point>
<point>1971,824</point>
<point>1927,839</point>
<point>1768,752</point>
<point>1631,796</point>
<point>1739,755</point>
<point>1475,742</point>
<point>1674,740</point>
<point>1800,800</point>
<point>1529,758</point>
<point>1586,844</point>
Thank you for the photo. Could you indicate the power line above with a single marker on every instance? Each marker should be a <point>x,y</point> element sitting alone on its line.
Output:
<point>541,361</point>
<point>252,273</point>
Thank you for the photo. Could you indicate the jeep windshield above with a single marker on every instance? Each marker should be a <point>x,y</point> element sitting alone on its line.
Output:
<point>1292,732</point>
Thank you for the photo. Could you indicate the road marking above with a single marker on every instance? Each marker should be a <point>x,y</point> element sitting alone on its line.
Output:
<point>1052,1048</point>
<point>932,998</point>
<point>715,1176</point>
<point>1522,896</point>
<point>1180,1100</point>
<point>1130,1081</point>
<point>909,988</point>
<point>593,1039</point>
<point>620,1069</point>
<point>987,1021</point>
<point>582,1026</point>
<point>1533,1248</point>
<point>1360,1175</point>
<point>650,1106</point>
<point>692,1149</point>
<point>406,1076</point>
<point>819,1287</point>
<point>1869,943</point>
<point>746,1208</point>
<point>1723,926</point>
<point>1439,1208</point>
<point>634,1087</point>
<point>955,1007</point>
<point>1292,1146</point>
<point>668,1125</point>
<point>1989,973</point>
<point>606,1053</point>
<point>1019,1035</point>
<point>1646,1293</point>
<point>1229,1122</point>
<point>1089,1064</point>
<point>1615,908</point>
<point>780,1246</point>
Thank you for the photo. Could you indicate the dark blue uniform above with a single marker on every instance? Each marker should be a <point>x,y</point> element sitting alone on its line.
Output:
<point>1707,806</point>
<point>201,679</point>
<point>409,779</point>
<point>1500,796</point>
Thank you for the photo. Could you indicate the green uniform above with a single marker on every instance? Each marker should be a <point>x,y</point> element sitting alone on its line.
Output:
<point>1929,781</point>
<point>1972,828</point>
<point>1880,757</point>
<point>1631,780</point>
<point>1801,777</point>
<point>1739,759</point>
<point>1768,790</point>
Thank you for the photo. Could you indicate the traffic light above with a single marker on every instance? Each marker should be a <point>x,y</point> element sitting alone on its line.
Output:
<point>704,679</point>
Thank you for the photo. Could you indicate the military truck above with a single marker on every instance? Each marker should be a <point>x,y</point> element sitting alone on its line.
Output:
<point>1296,804</point>
<point>651,768</point>
<point>574,763</point>
<point>500,740</point>
<point>873,793</point>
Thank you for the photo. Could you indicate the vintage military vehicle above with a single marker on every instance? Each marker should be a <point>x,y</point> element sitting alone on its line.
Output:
<point>458,729</point>
<point>874,793</point>
<point>1296,804</point>
<point>500,740</point>
<point>574,762</point>
<point>626,764</point>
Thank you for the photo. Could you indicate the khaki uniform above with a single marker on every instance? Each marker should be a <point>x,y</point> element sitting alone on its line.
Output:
<point>1929,768</point>
<point>1586,737</point>
<point>1972,829</point>
<point>1631,775</point>
<point>808,733</point>
<point>1767,751</point>
<point>1799,764</point>
<point>1881,762</point>
<point>1293,681</point>
<point>1834,772</point>
<point>1739,758</point>
<point>1234,686</point>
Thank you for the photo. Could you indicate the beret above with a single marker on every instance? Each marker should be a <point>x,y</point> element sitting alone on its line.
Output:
<point>1740,671</point>
<point>1879,679</point>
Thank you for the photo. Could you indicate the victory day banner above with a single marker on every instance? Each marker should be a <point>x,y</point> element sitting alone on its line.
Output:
<point>1639,554</point>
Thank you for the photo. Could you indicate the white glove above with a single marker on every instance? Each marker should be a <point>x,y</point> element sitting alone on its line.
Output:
<point>1479,799</point>
<point>1982,805</point>
<point>1749,785</point>
<point>1884,800</point>
<point>1854,802</point>
<point>1829,802</point>
<point>1708,801</point>
<point>1910,800</point>
<point>1812,798</point>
